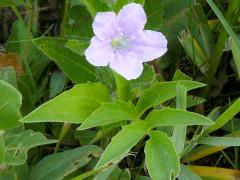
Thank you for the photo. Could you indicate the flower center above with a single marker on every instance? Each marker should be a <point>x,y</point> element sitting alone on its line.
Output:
<point>120,42</point>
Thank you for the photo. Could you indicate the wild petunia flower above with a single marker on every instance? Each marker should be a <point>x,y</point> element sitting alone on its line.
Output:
<point>121,42</point>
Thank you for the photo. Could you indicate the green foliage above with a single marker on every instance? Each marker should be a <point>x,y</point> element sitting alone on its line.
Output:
<point>10,103</point>
<point>144,128</point>
<point>51,168</point>
<point>55,49</point>
<point>122,143</point>
<point>17,146</point>
<point>171,117</point>
<point>161,92</point>
<point>110,113</point>
<point>73,106</point>
<point>161,159</point>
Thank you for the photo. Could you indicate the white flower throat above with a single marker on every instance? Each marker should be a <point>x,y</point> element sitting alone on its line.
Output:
<point>120,42</point>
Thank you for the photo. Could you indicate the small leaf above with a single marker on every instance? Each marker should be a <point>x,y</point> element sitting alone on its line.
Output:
<point>94,6</point>
<point>161,92</point>
<point>108,113</point>
<point>18,145</point>
<point>57,166</point>
<point>162,160</point>
<point>75,66</point>
<point>172,117</point>
<point>72,106</point>
<point>122,143</point>
<point>10,103</point>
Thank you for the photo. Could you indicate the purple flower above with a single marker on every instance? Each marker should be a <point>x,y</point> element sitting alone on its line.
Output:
<point>121,42</point>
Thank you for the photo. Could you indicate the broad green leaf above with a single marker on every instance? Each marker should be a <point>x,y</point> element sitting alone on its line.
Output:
<point>18,145</point>
<point>220,141</point>
<point>122,143</point>
<point>161,92</point>
<point>172,117</point>
<point>162,160</point>
<point>72,106</point>
<point>77,46</point>
<point>10,103</point>
<point>225,117</point>
<point>8,75</point>
<point>94,6</point>
<point>108,113</point>
<point>75,66</point>
<point>57,166</point>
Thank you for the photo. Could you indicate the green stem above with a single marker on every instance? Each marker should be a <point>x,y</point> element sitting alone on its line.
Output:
<point>179,132</point>
<point>67,6</point>
<point>123,87</point>
<point>62,134</point>
<point>18,14</point>
<point>90,173</point>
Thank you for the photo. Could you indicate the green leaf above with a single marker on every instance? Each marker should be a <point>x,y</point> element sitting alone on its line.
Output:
<point>75,66</point>
<point>57,166</point>
<point>162,160</point>
<point>57,83</point>
<point>94,6</point>
<point>236,55</point>
<point>12,3</point>
<point>77,46</point>
<point>10,103</point>
<point>108,113</point>
<point>179,75</point>
<point>161,92</point>
<point>122,143</point>
<point>220,141</point>
<point>18,145</point>
<point>72,106</point>
<point>172,117</point>
<point>225,117</point>
<point>8,75</point>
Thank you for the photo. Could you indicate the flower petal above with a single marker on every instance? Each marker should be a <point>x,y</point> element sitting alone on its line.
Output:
<point>126,64</point>
<point>131,18</point>
<point>148,45</point>
<point>105,25</point>
<point>99,53</point>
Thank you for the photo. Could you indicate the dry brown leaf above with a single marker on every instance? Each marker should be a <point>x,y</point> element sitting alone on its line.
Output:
<point>11,59</point>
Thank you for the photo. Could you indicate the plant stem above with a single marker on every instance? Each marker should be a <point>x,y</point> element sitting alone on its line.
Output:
<point>179,132</point>
<point>62,134</point>
<point>123,87</point>
<point>67,5</point>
